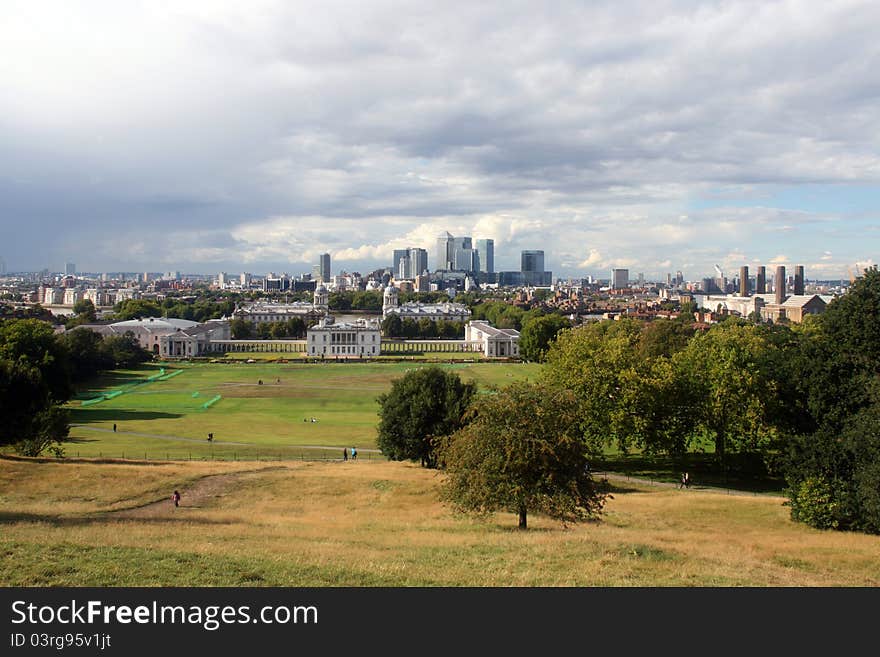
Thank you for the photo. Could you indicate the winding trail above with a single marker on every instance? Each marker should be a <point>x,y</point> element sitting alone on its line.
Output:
<point>197,495</point>
<point>699,488</point>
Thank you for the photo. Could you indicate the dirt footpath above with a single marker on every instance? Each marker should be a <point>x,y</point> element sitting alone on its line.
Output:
<point>198,494</point>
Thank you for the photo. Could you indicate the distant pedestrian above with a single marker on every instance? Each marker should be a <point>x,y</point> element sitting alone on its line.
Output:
<point>114,427</point>
<point>354,453</point>
<point>210,437</point>
<point>260,382</point>
<point>175,498</point>
<point>685,481</point>
<point>344,454</point>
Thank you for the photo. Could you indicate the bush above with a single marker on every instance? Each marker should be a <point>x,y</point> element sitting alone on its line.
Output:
<point>813,503</point>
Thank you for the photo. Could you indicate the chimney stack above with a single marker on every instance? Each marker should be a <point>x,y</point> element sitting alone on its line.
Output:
<point>799,279</point>
<point>761,281</point>
<point>779,285</point>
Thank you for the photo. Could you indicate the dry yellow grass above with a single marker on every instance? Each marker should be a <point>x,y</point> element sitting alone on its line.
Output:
<point>362,523</point>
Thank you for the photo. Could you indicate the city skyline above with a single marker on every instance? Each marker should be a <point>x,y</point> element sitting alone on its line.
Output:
<point>228,137</point>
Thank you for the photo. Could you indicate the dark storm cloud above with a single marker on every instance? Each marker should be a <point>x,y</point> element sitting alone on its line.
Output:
<point>158,126</point>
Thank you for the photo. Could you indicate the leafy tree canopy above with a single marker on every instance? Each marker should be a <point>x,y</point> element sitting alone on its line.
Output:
<point>538,333</point>
<point>522,453</point>
<point>421,407</point>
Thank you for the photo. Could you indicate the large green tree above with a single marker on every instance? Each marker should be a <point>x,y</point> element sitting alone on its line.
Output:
<point>833,474</point>
<point>34,342</point>
<point>85,310</point>
<point>730,374</point>
<point>34,379</point>
<point>136,309</point>
<point>422,406</point>
<point>538,333</point>
<point>597,362</point>
<point>123,351</point>
<point>85,349</point>
<point>523,452</point>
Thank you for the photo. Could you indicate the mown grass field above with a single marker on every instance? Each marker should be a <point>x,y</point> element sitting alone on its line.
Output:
<point>380,523</point>
<point>164,419</point>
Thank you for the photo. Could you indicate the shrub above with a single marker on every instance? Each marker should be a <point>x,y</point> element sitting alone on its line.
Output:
<point>813,503</point>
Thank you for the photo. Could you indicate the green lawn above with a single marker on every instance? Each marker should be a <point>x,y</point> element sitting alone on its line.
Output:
<point>264,419</point>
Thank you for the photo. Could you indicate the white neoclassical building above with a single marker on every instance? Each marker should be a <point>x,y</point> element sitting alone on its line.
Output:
<point>496,342</point>
<point>450,312</point>
<point>360,339</point>
<point>265,311</point>
<point>168,337</point>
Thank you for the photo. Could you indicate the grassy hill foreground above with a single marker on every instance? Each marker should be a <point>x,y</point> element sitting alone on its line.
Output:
<point>364,523</point>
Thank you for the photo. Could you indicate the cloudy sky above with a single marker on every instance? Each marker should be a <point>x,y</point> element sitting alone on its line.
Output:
<point>254,135</point>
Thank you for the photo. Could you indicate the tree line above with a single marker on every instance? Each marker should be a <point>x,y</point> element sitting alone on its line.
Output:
<point>37,371</point>
<point>801,401</point>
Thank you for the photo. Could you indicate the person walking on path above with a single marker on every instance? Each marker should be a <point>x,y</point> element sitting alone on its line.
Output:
<point>354,453</point>
<point>685,481</point>
<point>114,427</point>
<point>344,454</point>
<point>175,498</point>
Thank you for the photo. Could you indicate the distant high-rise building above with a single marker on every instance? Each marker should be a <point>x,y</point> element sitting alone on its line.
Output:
<point>444,253</point>
<point>409,263</point>
<point>779,284</point>
<point>744,281</point>
<point>275,283</point>
<point>245,280</point>
<point>465,259</point>
<point>462,254</point>
<point>532,261</point>
<point>399,254</point>
<point>679,278</point>
<point>708,285</point>
<point>221,280</point>
<point>486,250</point>
<point>668,280</point>
<point>619,279</point>
<point>761,280</point>
<point>69,269</point>
<point>402,270</point>
<point>641,279</point>
<point>799,279</point>
<point>324,263</point>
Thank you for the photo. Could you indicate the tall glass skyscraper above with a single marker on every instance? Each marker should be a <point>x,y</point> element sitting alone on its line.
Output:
<point>444,253</point>
<point>486,249</point>
<point>532,261</point>
<point>324,264</point>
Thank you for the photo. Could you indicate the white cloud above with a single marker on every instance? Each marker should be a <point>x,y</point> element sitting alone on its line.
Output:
<point>650,133</point>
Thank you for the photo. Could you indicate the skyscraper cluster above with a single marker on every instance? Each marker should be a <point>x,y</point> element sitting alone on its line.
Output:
<point>459,254</point>
<point>463,258</point>
<point>409,263</point>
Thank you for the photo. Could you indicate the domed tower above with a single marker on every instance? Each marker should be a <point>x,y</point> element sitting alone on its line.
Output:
<point>389,299</point>
<point>321,299</point>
